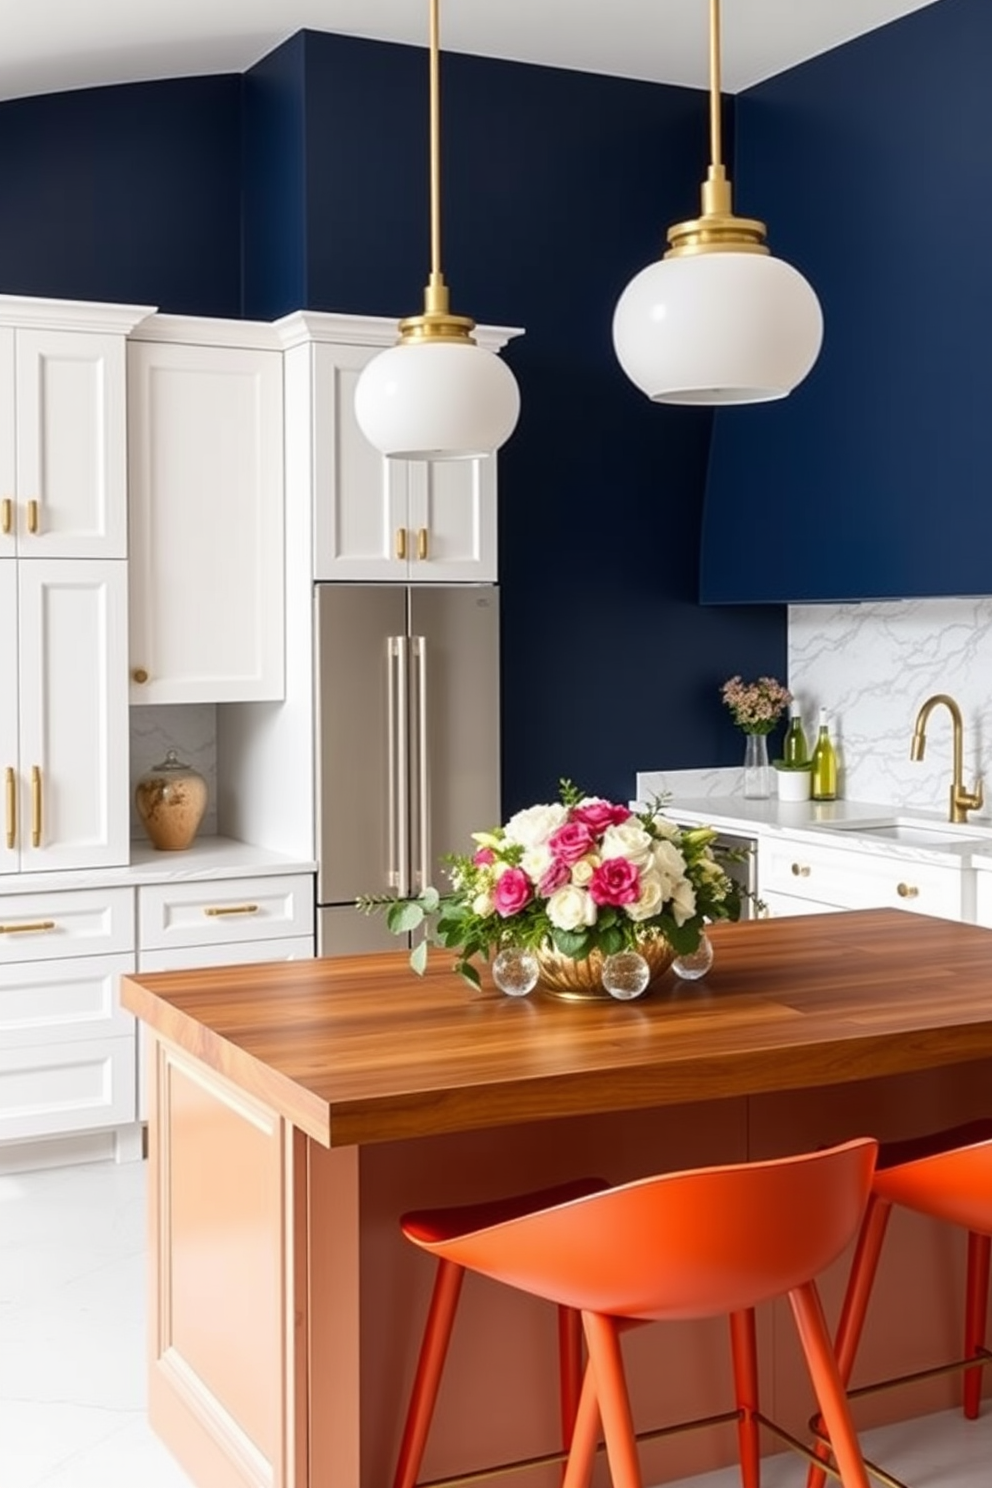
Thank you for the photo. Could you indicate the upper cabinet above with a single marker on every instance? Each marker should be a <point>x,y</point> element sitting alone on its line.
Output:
<point>205,427</point>
<point>375,519</point>
<point>63,491</point>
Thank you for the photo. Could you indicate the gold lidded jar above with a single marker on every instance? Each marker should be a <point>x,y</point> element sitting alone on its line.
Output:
<point>171,799</point>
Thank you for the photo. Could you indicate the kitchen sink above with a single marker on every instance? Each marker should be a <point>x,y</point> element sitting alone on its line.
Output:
<point>917,833</point>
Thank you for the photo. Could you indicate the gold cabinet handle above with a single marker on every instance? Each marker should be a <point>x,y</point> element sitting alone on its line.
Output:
<point>25,927</point>
<point>907,891</point>
<point>140,676</point>
<point>10,791</point>
<point>6,516</point>
<point>228,909</point>
<point>35,806</point>
<point>421,542</point>
<point>401,543</point>
<point>32,517</point>
<point>800,870</point>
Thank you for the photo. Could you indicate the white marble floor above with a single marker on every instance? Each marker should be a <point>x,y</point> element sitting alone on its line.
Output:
<point>72,1353</point>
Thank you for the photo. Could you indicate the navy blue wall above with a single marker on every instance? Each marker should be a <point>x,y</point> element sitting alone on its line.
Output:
<point>558,186</point>
<point>872,166</point>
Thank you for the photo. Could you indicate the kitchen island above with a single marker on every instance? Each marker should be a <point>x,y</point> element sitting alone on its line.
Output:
<point>299,1108</point>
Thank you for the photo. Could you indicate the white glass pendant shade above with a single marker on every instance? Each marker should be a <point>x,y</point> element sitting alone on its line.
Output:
<point>437,400</point>
<point>717,328</point>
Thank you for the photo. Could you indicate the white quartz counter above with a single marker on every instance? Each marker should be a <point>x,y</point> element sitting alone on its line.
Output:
<point>208,858</point>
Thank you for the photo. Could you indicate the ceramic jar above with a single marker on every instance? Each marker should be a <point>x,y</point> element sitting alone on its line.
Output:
<point>171,799</point>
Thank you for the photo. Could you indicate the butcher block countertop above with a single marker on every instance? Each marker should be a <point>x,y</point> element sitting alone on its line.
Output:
<point>359,1049</point>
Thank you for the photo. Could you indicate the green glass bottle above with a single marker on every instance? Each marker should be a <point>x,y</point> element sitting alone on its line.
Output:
<point>823,784</point>
<point>794,748</point>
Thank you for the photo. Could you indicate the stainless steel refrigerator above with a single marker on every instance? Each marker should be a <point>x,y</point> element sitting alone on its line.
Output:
<point>407,743</point>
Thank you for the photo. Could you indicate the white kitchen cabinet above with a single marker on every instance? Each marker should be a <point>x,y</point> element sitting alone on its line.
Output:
<point>379,520</point>
<point>63,723</point>
<point>797,876</point>
<point>205,427</point>
<point>66,1045</point>
<point>63,464</point>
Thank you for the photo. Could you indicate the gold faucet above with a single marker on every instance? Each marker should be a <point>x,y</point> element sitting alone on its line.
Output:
<point>962,801</point>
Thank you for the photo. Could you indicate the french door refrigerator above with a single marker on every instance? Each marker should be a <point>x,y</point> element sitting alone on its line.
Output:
<point>407,745</point>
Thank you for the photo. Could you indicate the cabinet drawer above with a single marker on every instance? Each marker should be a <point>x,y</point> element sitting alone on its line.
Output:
<point>225,910</point>
<point>78,922</point>
<point>849,879</point>
<point>48,1091</point>
<point>63,1001</point>
<point>779,905</point>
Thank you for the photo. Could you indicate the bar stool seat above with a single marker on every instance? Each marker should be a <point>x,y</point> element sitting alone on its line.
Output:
<point>428,1227</point>
<point>685,1245</point>
<point>948,1176</point>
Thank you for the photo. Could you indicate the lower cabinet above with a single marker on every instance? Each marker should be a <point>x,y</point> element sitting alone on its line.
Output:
<point>66,1046</point>
<point>798,877</point>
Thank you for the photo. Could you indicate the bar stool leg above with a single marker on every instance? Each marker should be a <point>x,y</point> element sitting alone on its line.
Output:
<point>827,1384</point>
<point>570,1369</point>
<point>976,1309</point>
<point>606,1363</point>
<point>585,1436</point>
<point>433,1351</point>
<point>744,1349</point>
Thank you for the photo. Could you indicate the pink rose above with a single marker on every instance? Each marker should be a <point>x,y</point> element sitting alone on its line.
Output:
<point>512,892</point>
<point>617,881</point>
<point>554,878</point>
<point>571,842</point>
<point>483,857</point>
<point>598,815</point>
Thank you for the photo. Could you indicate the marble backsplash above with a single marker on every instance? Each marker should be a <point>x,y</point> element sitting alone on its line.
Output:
<point>871,666</point>
<point>191,730</point>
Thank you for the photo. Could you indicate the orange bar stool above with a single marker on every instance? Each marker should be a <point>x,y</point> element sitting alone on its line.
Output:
<point>947,1175</point>
<point>436,1227</point>
<point>693,1244</point>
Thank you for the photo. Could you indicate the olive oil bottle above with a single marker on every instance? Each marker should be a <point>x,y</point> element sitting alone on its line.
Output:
<point>794,748</point>
<point>823,784</point>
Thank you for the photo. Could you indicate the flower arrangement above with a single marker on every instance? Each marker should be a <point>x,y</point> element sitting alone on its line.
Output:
<point>755,707</point>
<point>581,875</point>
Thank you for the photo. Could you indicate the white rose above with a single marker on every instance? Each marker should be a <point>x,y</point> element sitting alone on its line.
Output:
<point>651,900</point>
<point>583,870</point>
<point>628,840</point>
<point>571,907</point>
<point>666,828</point>
<point>534,825</point>
<point>683,902</point>
<point>669,864</point>
<point>483,905</point>
<point>536,861</point>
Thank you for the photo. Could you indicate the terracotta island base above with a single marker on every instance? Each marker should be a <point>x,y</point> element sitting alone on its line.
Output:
<point>299,1108</point>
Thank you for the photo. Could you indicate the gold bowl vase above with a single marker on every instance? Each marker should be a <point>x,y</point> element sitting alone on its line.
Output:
<point>582,981</point>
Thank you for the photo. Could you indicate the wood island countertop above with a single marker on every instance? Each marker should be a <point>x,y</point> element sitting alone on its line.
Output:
<point>358,1049</point>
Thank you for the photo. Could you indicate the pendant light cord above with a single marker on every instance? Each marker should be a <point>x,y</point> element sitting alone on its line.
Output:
<point>435,143</point>
<point>716,147</point>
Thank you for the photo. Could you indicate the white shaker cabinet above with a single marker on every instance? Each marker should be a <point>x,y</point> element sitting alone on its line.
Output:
<point>377,520</point>
<point>205,426</point>
<point>63,476</point>
<point>63,724</point>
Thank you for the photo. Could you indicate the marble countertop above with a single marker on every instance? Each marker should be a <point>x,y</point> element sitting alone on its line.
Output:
<point>208,858</point>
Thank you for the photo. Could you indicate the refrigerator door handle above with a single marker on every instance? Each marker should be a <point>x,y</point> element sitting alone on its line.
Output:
<point>423,768</point>
<point>398,766</point>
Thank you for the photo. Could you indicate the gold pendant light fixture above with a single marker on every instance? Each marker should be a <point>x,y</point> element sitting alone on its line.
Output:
<point>436,394</point>
<point>717,319</point>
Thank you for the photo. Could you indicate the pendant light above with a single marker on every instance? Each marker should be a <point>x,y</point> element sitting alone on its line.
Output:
<point>436,394</point>
<point>718,319</point>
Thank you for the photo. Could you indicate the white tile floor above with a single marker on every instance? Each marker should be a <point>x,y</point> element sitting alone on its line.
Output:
<point>72,1353</point>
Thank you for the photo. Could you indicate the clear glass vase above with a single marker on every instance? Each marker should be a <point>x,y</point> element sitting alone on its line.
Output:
<point>757,771</point>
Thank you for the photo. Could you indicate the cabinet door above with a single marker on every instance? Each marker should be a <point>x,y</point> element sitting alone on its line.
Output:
<point>8,471</point>
<point>452,520</point>
<point>206,506</point>
<point>70,445</point>
<point>9,852</point>
<point>361,527</point>
<point>73,797</point>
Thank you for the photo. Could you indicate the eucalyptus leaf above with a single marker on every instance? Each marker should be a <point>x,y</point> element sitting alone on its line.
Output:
<point>405,915</point>
<point>418,958</point>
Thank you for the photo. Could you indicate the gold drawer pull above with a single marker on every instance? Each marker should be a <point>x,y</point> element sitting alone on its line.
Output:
<point>10,792</point>
<point>6,516</point>
<point>226,909</point>
<point>35,806</point>
<point>421,542</point>
<point>401,543</point>
<point>24,928</point>
<point>140,676</point>
<point>32,516</point>
<point>800,870</point>
<point>907,891</point>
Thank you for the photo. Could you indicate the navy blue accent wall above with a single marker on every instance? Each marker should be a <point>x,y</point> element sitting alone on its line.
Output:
<point>130,194</point>
<point>872,166</point>
<point>275,183</point>
<point>556,188</point>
